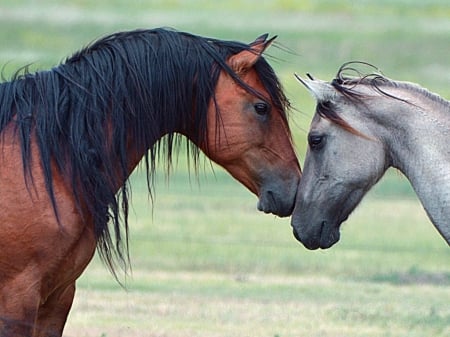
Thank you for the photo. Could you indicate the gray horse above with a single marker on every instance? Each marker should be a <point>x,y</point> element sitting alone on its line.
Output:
<point>362,126</point>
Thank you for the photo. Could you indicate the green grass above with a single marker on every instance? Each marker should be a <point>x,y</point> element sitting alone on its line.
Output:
<point>205,262</point>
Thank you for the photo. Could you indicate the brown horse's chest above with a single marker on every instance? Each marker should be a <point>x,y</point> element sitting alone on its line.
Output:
<point>35,247</point>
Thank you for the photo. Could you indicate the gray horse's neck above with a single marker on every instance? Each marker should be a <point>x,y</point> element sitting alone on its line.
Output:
<point>419,146</point>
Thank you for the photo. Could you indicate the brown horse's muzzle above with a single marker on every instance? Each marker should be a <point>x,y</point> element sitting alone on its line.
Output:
<point>278,197</point>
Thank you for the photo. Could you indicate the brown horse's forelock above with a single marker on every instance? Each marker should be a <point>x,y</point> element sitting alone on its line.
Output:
<point>139,82</point>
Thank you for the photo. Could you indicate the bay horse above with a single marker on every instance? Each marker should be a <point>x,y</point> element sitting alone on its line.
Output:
<point>72,135</point>
<point>363,125</point>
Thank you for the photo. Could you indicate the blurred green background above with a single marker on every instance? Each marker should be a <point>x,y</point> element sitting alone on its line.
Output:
<point>205,262</point>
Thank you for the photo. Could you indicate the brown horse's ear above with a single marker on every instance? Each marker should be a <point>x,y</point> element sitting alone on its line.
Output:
<point>245,59</point>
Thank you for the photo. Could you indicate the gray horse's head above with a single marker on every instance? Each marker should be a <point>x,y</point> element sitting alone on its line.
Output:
<point>345,158</point>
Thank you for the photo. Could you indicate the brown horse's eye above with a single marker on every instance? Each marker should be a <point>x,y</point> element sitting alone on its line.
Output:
<point>316,141</point>
<point>261,108</point>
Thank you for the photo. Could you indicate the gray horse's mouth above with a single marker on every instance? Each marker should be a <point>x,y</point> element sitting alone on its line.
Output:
<point>330,231</point>
<point>326,233</point>
<point>329,235</point>
<point>326,237</point>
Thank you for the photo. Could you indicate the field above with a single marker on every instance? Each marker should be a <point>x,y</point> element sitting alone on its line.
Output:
<point>204,261</point>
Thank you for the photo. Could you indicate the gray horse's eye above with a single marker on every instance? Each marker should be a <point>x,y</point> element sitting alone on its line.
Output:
<point>316,141</point>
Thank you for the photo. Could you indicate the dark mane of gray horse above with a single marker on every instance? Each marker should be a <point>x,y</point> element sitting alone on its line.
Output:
<point>349,77</point>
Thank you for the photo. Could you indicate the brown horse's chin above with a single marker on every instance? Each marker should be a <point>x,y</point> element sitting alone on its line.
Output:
<point>269,205</point>
<point>324,238</point>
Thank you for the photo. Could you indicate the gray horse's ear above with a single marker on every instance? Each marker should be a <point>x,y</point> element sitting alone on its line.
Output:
<point>321,90</point>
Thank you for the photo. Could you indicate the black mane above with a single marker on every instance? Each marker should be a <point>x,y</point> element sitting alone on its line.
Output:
<point>349,77</point>
<point>135,84</point>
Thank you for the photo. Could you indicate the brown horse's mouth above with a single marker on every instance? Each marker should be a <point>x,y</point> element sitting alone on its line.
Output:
<point>269,203</point>
<point>278,197</point>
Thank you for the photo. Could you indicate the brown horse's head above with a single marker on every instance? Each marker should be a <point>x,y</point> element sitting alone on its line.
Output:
<point>248,132</point>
